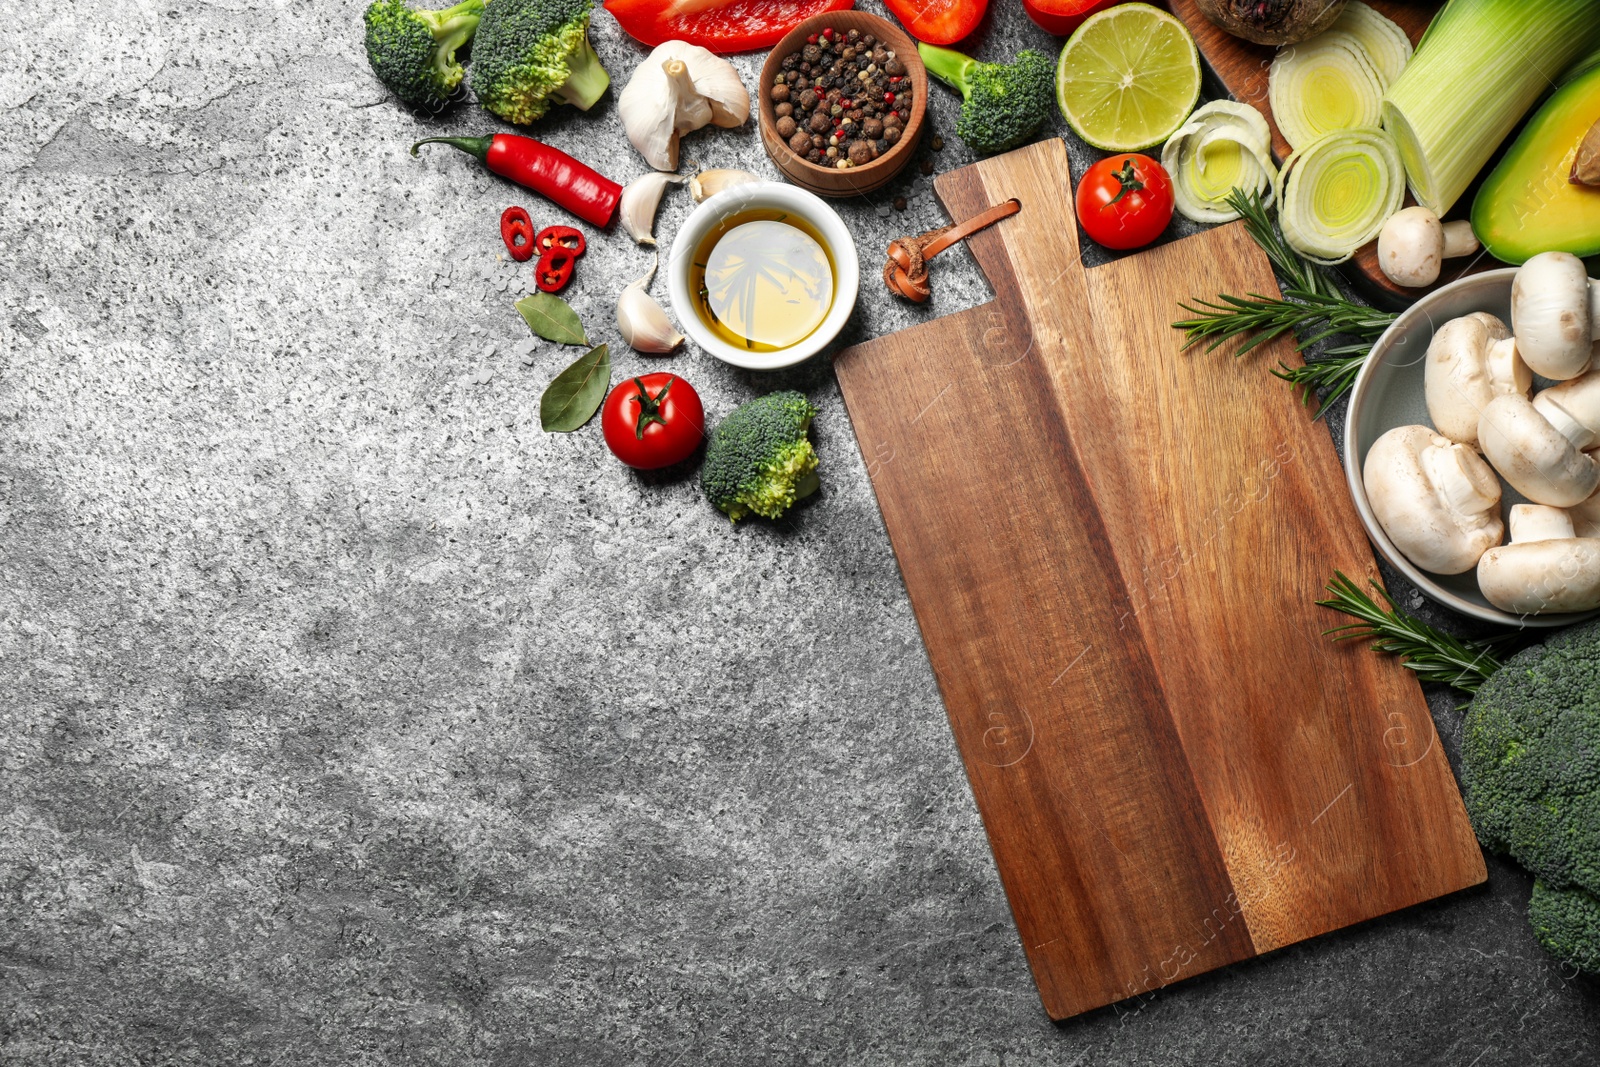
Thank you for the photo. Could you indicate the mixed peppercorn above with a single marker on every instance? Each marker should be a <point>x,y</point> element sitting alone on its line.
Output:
<point>842,100</point>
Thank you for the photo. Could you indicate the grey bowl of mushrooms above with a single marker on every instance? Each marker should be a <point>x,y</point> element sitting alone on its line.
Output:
<point>1472,445</point>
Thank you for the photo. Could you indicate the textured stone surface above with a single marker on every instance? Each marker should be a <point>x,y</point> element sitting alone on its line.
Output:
<point>351,719</point>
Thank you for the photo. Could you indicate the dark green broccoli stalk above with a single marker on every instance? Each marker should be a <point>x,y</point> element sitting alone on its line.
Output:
<point>533,54</point>
<point>1003,103</point>
<point>414,52</point>
<point>1530,768</point>
<point>759,460</point>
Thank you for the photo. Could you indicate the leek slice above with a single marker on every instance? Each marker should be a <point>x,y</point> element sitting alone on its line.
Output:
<point>1327,83</point>
<point>1335,194</point>
<point>1385,43</point>
<point>1223,146</point>
<point>1478,70</point>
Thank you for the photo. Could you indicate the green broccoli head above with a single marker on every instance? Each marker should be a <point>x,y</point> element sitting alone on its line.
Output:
<point>533,54</point>
<point>759,460</point>
<point>1003,103</point>
<point>1567,923</point>
<point>414,52</point>
<point>1530,758</point>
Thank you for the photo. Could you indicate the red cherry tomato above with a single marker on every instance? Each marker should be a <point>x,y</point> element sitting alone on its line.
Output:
<point>720,25</point>
<point>654,420</point>
<point>938,21</point>
<point>1061,17</point>
<point>1125,200</point>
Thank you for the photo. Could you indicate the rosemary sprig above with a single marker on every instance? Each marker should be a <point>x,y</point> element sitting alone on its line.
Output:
<point>1311,306</point>
<point>1299,273</point>
<point>1335,375</point>
<point>1263,318</point>
<point>1435,655</point>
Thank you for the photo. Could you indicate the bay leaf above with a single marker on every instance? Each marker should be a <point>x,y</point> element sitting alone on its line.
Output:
<point>575,395</point>
<point>552,318</point>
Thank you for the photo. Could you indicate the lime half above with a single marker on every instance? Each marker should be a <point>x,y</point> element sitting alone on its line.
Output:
<point>1128,77</point>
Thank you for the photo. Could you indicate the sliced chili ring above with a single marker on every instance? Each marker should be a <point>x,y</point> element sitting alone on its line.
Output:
<point>565,236</point>
<point>516,230</point>
<point>554,269</point>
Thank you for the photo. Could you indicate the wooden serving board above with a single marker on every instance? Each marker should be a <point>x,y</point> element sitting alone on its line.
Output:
<point>1242,68</point>
<point>1112,550</point>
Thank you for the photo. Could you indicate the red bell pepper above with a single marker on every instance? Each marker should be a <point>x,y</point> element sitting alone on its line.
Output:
<point>1061,17</point>
<point>720,25</point>
<point>548,171</point>
<point>516,230</point>
<point>938,21</point>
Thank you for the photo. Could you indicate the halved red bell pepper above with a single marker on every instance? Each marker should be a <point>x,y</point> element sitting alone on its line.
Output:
<point>1061,17</point>
<point>720,25</point>
<point>938,21</point>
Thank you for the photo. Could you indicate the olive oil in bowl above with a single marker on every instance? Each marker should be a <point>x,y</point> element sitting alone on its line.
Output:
<point>763,279</point>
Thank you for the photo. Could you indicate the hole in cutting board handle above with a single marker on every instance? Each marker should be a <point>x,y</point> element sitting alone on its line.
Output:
<point>906,271</point>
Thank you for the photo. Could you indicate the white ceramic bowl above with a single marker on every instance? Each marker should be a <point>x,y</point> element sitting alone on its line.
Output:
<point>1389,392</point>
<point>757,195</point>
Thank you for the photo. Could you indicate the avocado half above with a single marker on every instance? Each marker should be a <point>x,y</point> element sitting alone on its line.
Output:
<point>1526,205</point>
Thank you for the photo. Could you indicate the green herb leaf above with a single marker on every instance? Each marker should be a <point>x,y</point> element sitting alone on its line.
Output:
<point>551,318</point>
<point>1434,655</point>
<point>575,395</point>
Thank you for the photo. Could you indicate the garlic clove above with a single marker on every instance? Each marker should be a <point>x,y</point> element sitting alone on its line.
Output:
<point>642,322</point>
<point>639,202</point>
<point>709,183</point>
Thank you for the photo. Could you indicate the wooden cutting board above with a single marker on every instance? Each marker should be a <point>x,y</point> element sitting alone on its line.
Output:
<point>1112,550</point>
<point>1242,68</point>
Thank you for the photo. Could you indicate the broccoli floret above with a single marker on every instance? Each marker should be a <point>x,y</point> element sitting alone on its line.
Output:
<point>1567,924</point>
<point>533,54</point>
<point>1002,103</point>
<point>1531,771</point>
<point>414,52</point>
<point>759,460</point>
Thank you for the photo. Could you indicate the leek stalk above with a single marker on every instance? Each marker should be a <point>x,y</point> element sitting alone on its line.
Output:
<point>1479,68</point>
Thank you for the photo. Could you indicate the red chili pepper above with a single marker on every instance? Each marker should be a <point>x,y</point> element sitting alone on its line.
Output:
<point>548,171</point>
<point>554,269</point>
<point>516,230</point>
<point>565,236</point>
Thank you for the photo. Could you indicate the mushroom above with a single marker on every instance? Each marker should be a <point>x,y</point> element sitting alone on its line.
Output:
<point>1437,500</point>
<point>1555,313</point>
<point>1413,244</point>
<point>1543,461</point>
<point>1573,407</point>
<point>1586,517</point>
<point>1545,568</point>
<point>678,88</point>
<point>1471,360</point>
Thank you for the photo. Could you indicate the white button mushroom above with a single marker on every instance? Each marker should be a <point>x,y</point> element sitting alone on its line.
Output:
<point>1573,407</point>
<point>1542,461</point>
<point>1555,314</point>
<point>1586,517</point>
<point>1437,500</point>
<point>1546,567</point>
<point>1413,245</point>
<point>1471,360</point>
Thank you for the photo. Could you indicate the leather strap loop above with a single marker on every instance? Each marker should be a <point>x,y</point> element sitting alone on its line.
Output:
<point>906,271</point>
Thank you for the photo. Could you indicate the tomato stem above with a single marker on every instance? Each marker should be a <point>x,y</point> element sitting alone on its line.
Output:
<point>649,406</point>
<point>1128,179</point>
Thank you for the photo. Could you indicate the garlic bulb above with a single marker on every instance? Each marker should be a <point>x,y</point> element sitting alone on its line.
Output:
<point>709,183</point>
<point>639,202</point>
<point>642,322</point>
<point>678,88</point>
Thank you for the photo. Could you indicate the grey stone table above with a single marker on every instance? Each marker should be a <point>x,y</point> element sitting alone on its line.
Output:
<point>351,719</point>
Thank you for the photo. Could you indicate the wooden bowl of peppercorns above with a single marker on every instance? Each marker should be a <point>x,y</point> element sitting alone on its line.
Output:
<point>833,84</point>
